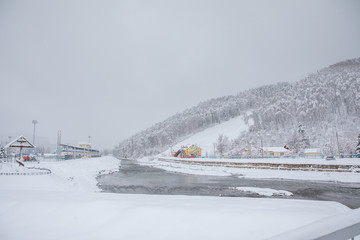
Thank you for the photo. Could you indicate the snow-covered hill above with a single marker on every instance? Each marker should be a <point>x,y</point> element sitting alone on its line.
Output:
<point>307,113</point>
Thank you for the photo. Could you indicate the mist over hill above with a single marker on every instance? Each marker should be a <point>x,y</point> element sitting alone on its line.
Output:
<point>307,113</point>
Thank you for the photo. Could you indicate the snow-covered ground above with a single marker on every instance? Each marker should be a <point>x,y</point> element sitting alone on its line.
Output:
<point>67,205</point>
<point>259,173</point>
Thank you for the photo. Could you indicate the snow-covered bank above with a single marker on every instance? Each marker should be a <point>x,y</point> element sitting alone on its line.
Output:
<point>52,207</point>
<point>341,161</point>
<point>264,191</point>
<point>180,165</point>
<point>75,175</point>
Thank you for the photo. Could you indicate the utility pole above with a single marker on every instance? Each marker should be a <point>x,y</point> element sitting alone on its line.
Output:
<point>89,139</point>
<point>214,149</point>
<point>249,147</point>
<point>58,145</point>
<point>34,122</point>
<point>9,150</point>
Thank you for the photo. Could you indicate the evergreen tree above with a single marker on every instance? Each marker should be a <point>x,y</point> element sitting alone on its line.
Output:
<point>304,141</point>
<point>2,152</point>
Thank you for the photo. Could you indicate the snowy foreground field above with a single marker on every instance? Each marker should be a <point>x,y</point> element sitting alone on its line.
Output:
<point>68,205</point>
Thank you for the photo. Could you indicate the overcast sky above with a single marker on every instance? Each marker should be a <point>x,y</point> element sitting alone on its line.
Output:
<point>108,69</point>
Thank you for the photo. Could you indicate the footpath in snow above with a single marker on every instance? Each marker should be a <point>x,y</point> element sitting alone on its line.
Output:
<point>67,204</point>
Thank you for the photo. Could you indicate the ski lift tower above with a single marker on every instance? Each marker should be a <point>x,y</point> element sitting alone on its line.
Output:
<point>21,142</point>
<point>34,122</point>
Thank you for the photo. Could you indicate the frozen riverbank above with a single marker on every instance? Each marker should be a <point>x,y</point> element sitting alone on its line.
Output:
<point>66,205</point>
<point>342,170</point>
<point>135,178</point>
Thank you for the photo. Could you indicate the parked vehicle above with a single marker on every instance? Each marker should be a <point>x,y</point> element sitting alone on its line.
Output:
<point>330,157</point>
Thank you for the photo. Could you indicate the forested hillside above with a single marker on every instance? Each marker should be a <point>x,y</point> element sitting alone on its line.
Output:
<point>307,113</point>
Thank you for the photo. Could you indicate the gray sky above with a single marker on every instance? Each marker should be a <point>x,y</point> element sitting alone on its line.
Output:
<point>109,69</point>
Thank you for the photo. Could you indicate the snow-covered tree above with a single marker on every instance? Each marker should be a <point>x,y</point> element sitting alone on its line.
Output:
<point>2,152</point>
<point>304,141</point>
<point>357,151</point>
<point>328,148</point>
<point>222,144</point>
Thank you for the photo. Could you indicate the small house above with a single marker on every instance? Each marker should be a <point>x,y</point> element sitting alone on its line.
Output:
<point>275,151</point>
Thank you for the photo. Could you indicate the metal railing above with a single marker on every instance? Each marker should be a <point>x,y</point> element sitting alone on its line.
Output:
<point>343,226</point>
<point>294,156</point>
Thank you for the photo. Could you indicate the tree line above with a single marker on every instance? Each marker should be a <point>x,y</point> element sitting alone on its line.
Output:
<point>307,113</point>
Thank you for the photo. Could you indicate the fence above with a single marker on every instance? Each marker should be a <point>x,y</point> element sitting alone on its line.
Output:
<point>12,159</point>
<point>34,173</point>
<point>319,156</point>
<point>42,171</point>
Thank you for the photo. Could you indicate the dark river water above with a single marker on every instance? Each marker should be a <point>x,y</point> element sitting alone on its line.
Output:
<point>134,178</point>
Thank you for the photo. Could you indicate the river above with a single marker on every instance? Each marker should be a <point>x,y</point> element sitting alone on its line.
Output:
<point>138,179</point>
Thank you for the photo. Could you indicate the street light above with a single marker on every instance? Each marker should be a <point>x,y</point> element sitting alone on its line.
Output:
<point>34,122</point>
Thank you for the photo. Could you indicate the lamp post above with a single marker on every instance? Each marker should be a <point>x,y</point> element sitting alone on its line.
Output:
<point>34,122</point>
<point>8,150</point>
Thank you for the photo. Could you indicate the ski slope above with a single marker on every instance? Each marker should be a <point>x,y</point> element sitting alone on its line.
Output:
<point>206,138</point>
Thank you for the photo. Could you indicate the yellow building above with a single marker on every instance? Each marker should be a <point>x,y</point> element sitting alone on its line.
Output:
<point>85,145</point>
<point>193,151</point>
<point>188,152</point>
<point>312,152</point>
<point>83,150</point>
